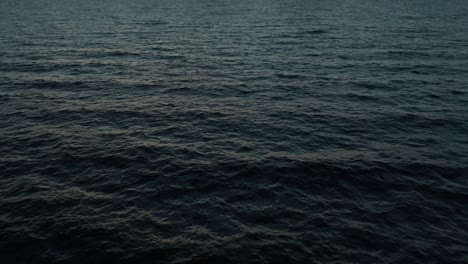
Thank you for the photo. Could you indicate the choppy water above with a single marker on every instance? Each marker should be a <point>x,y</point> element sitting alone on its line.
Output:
<point>219,131</point>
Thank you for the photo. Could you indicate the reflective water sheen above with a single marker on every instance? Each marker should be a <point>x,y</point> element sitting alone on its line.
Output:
<point>221,131</point>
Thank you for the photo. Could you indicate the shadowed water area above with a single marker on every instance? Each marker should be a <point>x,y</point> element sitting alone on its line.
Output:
<point>221,131</point>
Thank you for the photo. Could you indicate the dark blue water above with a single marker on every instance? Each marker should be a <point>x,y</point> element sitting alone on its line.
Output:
<point>221,131</point>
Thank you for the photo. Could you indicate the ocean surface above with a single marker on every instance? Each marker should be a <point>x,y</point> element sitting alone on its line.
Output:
<point>222,131</point>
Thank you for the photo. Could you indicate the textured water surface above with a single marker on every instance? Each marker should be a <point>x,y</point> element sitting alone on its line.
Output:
<point>219,131</point>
